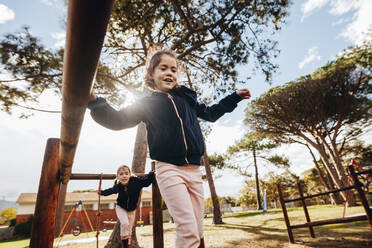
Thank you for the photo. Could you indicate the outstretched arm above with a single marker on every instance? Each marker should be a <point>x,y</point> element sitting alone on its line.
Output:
<point>226,105</point>
<point>111,118</point>
<point>109,191</point>
<point>147,180</point>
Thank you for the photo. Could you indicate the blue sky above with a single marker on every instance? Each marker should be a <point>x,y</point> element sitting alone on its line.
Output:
<point>316,31</point>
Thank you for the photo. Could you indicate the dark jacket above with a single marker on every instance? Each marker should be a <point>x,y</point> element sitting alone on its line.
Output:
<point>173,131</point>
<point>128,196</point>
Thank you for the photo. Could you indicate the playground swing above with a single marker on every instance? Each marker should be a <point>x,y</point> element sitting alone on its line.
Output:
<point>76,230</point>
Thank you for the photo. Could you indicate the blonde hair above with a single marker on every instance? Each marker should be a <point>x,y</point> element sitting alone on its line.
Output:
<point>154,61</point>
<point>121,167</point>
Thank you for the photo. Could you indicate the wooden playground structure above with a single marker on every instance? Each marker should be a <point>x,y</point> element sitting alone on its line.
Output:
<point>310,224</point>
<point>87,23</point>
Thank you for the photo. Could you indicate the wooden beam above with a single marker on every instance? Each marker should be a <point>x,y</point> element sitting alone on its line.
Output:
<point>60,208</point>
<point>307,216</point>
<point>157,215</point>
<point>44,222</point>
<point>331,221</point>
<point>361,194</point>
<point>285,214</point>
<point>82,176</point>
<point>320,194</point>
<point>87,22</point>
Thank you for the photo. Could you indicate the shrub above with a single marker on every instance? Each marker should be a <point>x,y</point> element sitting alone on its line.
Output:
<point>24,228</point>
<point>12,222</point>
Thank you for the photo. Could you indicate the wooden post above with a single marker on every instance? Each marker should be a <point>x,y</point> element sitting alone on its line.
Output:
<point>87,22</point>
<point>44,221</point>
<point>286,219</point>
<point>311,230</point>
<point>362,196</point>
<point>157,215</point>
<point>60,208</point>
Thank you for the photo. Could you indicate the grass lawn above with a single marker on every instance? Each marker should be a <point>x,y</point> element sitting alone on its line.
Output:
<point>254,229</point>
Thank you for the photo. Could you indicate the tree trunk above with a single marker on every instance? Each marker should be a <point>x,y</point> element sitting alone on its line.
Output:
<point>114,240</point>
<point>334,197</point>
<point>217,217</point>
<point>138,166</point>
<point>259,205</point>
<point>333,151</point>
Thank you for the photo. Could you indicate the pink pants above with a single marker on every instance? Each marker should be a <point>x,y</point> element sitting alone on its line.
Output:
<point>126,219</point>
<point>182,190</point>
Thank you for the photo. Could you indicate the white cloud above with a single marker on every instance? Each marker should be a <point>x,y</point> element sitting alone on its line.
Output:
<point>340,7</point>
<point>311,6</point>
<point>312,54</point>
<point>6,14</point>
<point>60,37</point>
<point>340,21</point>
<point>48,2</point>
<point>357,27</point>
<point>222,136</point>
<point>357,30</point>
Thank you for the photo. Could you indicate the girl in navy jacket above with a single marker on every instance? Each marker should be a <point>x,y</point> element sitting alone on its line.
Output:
<point>174,138</point>
<point>128,188</point>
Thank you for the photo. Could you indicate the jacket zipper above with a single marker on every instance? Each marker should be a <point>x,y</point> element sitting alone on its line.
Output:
<point>181,122</point>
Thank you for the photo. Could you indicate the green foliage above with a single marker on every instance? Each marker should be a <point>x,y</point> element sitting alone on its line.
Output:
<point>248,194</point>
<point>334,99</point>
<point>212,38</point>
<point>24,228</point>
<point>254,148</point>
<point>83,190</point>
<point>6,215</point>
<point>287,181</point>
<point>12,222</point>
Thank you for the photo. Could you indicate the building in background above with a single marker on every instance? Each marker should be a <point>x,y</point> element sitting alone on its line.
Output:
<point>88,206</point>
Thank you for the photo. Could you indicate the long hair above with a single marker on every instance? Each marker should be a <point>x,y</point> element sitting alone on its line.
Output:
<point>121,167</point>
<point>154,61</point>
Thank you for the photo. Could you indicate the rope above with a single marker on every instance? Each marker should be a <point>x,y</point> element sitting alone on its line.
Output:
<point>99,209</point>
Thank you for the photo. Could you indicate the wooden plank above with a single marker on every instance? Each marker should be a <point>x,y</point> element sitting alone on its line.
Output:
<point>311,230</point>
<point>157,215</point>
<point>85,176</point>
<point>60,208</point>
<point>320,194</point>
<point>44,222</point>
<point>286,219</point>
<point>361,194</point>
<point>331,221</point>
<point>87,22</point>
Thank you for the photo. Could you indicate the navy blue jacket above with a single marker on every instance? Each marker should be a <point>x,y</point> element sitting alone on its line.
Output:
<point>173,131</point>
<point>128,196</point>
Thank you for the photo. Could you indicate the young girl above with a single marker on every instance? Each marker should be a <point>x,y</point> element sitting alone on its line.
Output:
<point>128,189</point>
<point>174,138</point>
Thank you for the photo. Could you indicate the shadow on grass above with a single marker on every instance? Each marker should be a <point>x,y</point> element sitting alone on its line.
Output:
<point>350,235</point>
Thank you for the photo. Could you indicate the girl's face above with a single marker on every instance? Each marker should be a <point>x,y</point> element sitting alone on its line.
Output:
<point>165,73</point>
<point>123,176</point>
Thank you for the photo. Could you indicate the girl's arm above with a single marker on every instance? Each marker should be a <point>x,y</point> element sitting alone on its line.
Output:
<point>113,119</point>
<point>147,180</point>
<point>109,191</point>
<point>214,112</point>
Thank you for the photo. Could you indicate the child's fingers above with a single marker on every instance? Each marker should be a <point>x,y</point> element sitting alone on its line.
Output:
<point>92,96</point>
<point>244,93</point>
